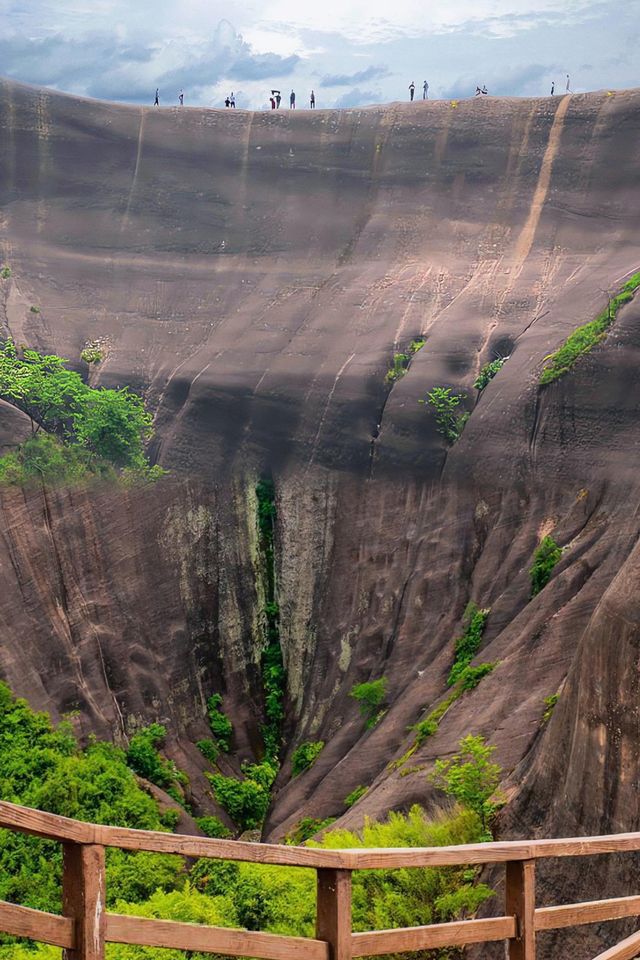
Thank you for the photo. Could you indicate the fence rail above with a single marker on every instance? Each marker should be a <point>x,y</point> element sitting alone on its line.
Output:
<point>85,927</point>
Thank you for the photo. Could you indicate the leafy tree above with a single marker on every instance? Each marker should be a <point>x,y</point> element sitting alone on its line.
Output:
<point>449,422</point>
<point>544,560</point>
<point>305,755</point>
<point>370,696</point>
<point>469,643</point>
<point>472,779</point>
<point>246,801</point>
<point>144,757</point>
<point>114,425</point>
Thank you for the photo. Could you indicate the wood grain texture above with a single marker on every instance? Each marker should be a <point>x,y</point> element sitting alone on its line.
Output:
<point>625,950</point>
<point>36,925</point>
<point>434,936</point>
<point>520,902</point>
<point>333,917</point>
<point>189,936</point>
<point>41,824</point>
<point>594,911</point>
<point>83,899</point>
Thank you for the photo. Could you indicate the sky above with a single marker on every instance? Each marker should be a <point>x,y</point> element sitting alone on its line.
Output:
<point>350,52</point>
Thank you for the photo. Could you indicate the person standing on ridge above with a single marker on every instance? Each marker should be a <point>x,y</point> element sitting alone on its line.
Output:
<point>478,91</point>
<point>553,88</point>
<point>313,100</point>
<point>425,91</point>
<point>412,90</point>
<point>227,102</point>
<point>292,101</point>
<point>232,101</point>
<point>156,102</point>
<point>568,84</point>
<point>273,103</point>
<point>181,98</point>
<point>276,94</point>
<point>484,90</point>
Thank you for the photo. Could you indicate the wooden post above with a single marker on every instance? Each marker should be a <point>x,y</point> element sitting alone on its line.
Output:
<point>333,912</point>
<point>83,898</point>
<point>521,903</point>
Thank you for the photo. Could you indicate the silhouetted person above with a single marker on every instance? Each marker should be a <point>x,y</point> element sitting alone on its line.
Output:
<point>478,91</point>
<point>273,103</point>
<point>292,101</point>
<point>485,91</point>
<point>181,98</point>
<point>276,94</point>
<point>227,102</point>
<point>553,88</point>
<point>156,102</point>
<point>425,91</point>
<point>412,90</point>
<point>313,100</point>
<point>568,84</point>
<point>232,101</point>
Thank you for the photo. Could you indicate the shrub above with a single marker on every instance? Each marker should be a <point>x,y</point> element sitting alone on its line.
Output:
<point>449,422</point>
<point>549,705</point>
<point>92,355</point>
<point>307,828</point>
<point>472,779</point>
<point>471,676</point>
<point>488,372</point>
<point>34,309</point>
<point>42,459</point>
<point>586,337</point>
<point>398,367</point>
<point>544,560</point>
<point>370,696</point>
<point>144,758</point>
<point>246,801</point>
<point>354,796</point>
<point>5,273</point>
<point>221,726</point>
<point>305,756</point>
<point>209,750</point>
<point>417,344</point>
<point>469,643</point>
<point>213,827</point>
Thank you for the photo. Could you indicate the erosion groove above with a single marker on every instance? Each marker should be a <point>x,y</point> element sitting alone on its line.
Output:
<point>249,275</point>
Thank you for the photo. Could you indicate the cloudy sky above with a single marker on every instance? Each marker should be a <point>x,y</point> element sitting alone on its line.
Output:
<point>350,52</point>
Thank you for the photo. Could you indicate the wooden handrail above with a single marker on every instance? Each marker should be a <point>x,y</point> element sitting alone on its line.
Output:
<point>85,926</point>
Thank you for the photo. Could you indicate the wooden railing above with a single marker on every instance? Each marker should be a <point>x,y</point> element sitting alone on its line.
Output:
<point>85,926</point>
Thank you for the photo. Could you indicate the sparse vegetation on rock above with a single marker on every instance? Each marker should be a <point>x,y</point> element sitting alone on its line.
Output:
<point>221,725</point>
<point>549,706</point>
<point>370,696</point>
<point>545,558</point>
<point>305,755</point>
<point>354,796</point>
<point>586,337</point>
<point>468,644</point>
<point>472,779</point>
<point>488,372</point>
<point>449,421</point>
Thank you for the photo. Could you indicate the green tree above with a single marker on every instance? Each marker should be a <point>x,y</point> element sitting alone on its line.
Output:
<point>221,726</point>
<point>449,422</point>
<point>305,755</point>
<point>370,696</point>
<point>472,779</point>
<point>544,560</point>
<point>114,425</point>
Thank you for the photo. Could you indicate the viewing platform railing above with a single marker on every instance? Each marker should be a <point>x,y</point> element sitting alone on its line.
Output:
<point>84,926</point>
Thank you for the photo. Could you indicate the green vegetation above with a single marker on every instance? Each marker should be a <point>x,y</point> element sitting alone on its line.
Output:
<point>221,726</point>
<point>306,829</point>
<point>5,272</point>
<point>34,309</point>
<point>246,801</point>
<point>469,643</point>
<point>354,796</point>
<point>44,459</point>
<point>44,767</point>
<point>488,372</point>
<point>92,354</point>
<point>371,697</point>
<point>544,560</point>
<point>305,755</point>
<point>549,704</point>
<point>102,427</point>
<point>145,759</point>
<point>401,361</point>
<point>586,337</point>
<point>213,827</point>
<point>472,779</point>
<point>449,422</point>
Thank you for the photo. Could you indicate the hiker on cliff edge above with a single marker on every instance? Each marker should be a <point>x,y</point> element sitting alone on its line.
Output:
<point>313,100</point>
<point>276,94</point>
<point>292,101</point>
<point>553,88</point>
<point>568,84</point>
<point>412,90</point>
<point>232,101</point>
<point>181,98</point>
<point>156,102</point>
<point>273,103</point>
<point>425,91</point>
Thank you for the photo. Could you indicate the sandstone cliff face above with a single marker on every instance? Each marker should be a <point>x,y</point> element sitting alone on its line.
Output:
<point>253,275</point>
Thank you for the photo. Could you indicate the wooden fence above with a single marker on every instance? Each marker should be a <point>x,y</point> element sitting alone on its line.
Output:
<point>84,926</point>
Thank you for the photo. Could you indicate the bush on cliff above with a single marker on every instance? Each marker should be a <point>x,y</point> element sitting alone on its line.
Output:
<point>544,560</point>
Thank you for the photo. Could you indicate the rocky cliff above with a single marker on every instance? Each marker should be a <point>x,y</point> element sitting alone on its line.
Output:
<point>253,275</point>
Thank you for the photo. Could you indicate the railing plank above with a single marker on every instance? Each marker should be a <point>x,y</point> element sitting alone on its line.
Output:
<point>593,911</point>
<point>47,825</point>
<point>521,903</point>
<point>142,931</point>
<point>36,925</point>
<point>625,950</point>
<point>455,934</point>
